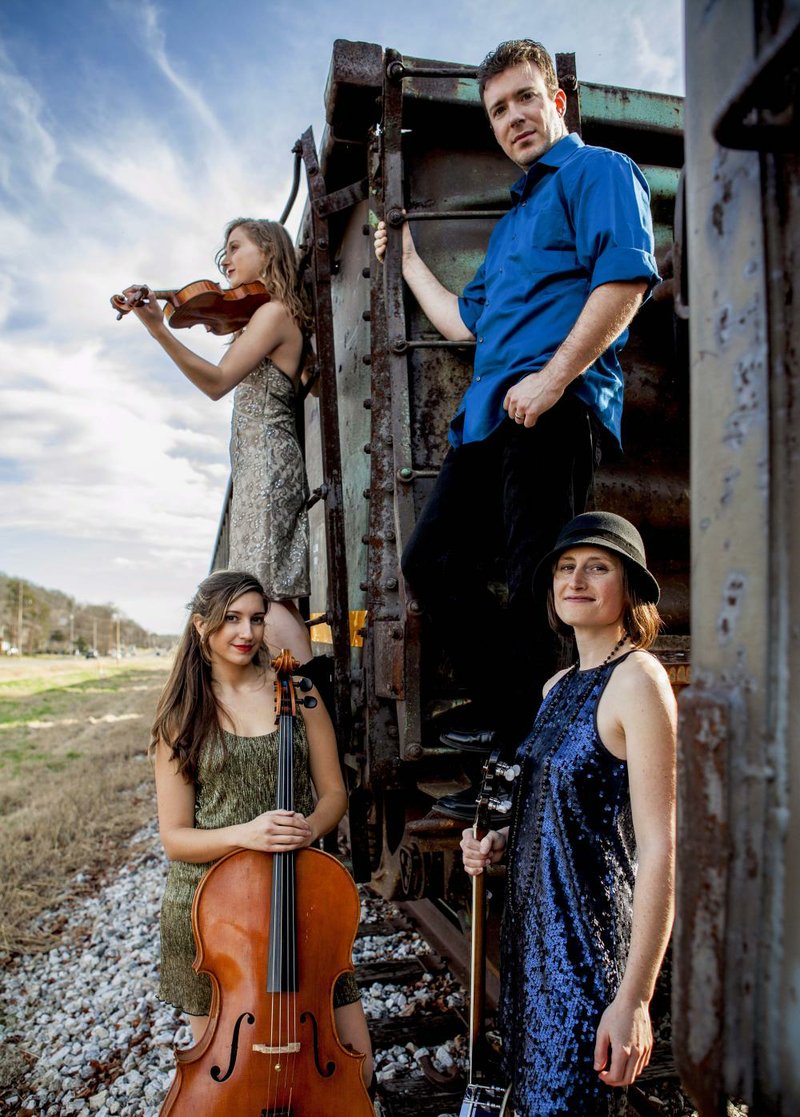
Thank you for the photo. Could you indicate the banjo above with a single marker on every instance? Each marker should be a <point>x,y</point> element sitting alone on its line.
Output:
<point>483,1099</point>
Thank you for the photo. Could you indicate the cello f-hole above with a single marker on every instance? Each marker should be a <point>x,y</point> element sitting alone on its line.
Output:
<point>331,1067</point>
<point>216,1072</point>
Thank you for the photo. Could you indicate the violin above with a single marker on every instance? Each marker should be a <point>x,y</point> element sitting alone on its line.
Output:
<point>483,1099</point>
<point>273,931</point>
<point>202,303</point>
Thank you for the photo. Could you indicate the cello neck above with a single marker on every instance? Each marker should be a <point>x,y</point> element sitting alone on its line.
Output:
<point>281,967</point>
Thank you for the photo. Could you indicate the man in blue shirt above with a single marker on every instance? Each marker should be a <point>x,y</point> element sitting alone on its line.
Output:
<point>565,271</point>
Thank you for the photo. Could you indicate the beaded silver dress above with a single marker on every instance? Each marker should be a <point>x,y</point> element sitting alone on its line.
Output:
<point>269,523</point>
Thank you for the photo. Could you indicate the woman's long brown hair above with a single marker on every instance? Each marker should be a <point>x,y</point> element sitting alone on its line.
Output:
<point>188,712</point>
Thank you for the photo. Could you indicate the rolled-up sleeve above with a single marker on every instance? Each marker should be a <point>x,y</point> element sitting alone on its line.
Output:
<point>473,300</point>
<point>612,221</point>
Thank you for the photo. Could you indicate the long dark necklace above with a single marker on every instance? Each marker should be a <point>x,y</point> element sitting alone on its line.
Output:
<point>566,697</point>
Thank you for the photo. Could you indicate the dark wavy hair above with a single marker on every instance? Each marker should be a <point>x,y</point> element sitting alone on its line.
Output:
<point>187,711</point>
<point>512,53</point>
<point>641,619</point>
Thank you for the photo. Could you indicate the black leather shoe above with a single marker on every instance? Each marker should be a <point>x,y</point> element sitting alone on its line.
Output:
<point>470,740</point>
<point>463,806</point>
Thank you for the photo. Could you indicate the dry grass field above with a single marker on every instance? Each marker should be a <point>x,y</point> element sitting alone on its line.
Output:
<point>75,781</point>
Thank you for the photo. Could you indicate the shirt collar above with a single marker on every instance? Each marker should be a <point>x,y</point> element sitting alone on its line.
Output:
<point>555,157</point>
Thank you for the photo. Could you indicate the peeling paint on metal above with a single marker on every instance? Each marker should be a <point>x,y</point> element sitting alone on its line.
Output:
<point>732,594</point>
<point>748,387</point>
<point>702,1027</point>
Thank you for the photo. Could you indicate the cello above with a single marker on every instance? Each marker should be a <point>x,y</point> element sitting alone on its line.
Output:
<point>273,932</point>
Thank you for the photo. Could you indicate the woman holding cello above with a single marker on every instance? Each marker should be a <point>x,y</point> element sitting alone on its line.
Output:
<point>216,744</point>
<point>264,363</point>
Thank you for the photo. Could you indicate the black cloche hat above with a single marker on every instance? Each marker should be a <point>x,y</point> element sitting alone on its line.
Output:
<point>603,529</point>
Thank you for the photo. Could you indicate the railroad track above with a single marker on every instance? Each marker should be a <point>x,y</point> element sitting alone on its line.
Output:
<point>411,1089</point>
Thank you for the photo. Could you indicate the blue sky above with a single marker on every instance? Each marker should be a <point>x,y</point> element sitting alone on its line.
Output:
<point>130,134</point>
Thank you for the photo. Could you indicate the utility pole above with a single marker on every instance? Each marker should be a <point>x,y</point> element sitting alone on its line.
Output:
<point>94,633</point>
<point>119,651</point>
<point>19,615</point>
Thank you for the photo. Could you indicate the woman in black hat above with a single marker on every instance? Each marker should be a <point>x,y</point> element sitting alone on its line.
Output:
<point>590,848</point>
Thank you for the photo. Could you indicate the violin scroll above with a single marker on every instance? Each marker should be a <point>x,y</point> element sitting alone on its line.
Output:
<point>124,305</point>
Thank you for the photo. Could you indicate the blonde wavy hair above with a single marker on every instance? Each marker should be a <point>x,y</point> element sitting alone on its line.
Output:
<point>280,271</point>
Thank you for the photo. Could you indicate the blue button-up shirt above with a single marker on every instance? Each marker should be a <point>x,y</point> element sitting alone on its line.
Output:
<point>580,218</point>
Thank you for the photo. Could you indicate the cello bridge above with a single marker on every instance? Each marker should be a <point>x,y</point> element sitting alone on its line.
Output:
<point>286,1049</point>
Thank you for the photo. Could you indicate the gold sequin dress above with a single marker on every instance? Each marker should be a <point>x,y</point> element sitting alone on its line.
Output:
<point>236,781</point>
<point>269,523</point>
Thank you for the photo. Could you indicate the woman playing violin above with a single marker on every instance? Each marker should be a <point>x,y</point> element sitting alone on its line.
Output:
<point>590,848</point>
<point>214,744</point>
<point>264,363</point>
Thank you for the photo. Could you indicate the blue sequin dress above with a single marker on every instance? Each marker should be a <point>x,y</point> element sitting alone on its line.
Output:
<point>567,923</point>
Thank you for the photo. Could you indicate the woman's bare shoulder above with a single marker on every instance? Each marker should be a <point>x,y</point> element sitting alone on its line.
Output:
<point>642,673</point>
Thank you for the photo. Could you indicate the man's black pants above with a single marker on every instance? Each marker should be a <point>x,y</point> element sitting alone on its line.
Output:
<point>506,496</point>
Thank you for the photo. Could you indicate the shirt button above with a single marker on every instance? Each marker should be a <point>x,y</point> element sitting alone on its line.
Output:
<point>524,203</point>
<point>480,339</point>
<point>477,379</point>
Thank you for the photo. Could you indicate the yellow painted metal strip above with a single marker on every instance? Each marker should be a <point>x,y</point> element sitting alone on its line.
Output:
<point>321,633</point>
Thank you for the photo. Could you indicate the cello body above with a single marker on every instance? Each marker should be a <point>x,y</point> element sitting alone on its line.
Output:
<point>271,1054</point>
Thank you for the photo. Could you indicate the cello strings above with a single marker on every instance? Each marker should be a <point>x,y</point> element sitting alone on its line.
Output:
<point>285,804</point>
<point>287,911</point>
<point>276,920</point>
<point>291,915</point>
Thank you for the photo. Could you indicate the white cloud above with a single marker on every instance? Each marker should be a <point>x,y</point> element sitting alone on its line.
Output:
<point>118,465</point>
<point>28,155</point>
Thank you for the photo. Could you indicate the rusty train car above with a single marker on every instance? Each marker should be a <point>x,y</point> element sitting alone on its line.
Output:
<point>736,993</point>
<point>409,134</point>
